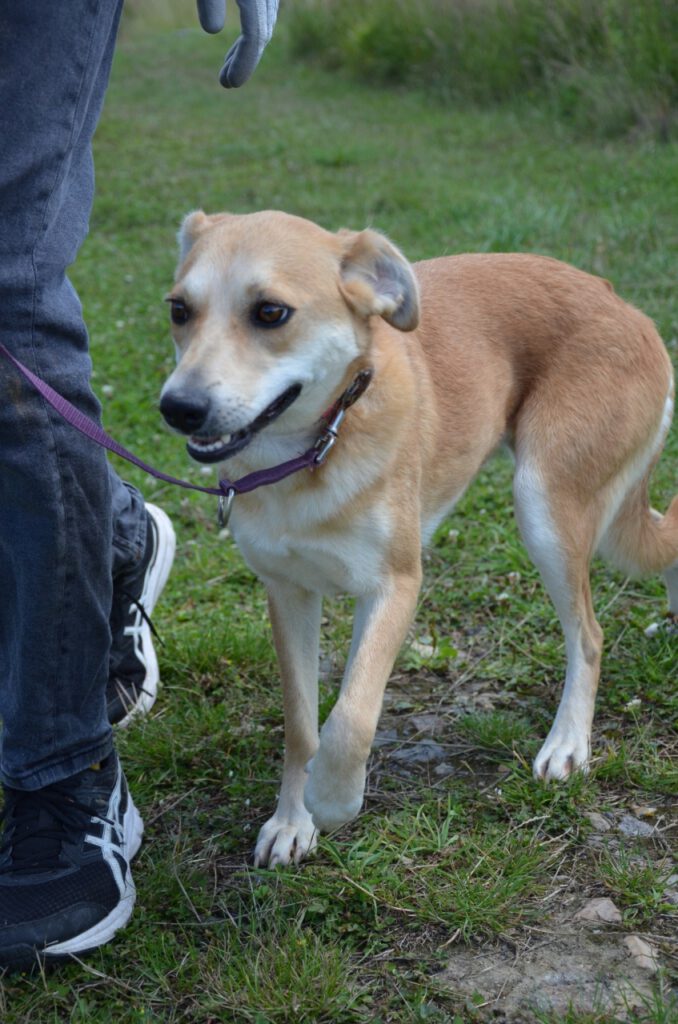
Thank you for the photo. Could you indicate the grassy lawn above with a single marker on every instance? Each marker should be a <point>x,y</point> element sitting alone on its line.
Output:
<point>458,857</point>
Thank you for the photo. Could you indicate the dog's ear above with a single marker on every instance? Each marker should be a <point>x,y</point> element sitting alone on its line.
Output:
<point>376,279</point>
<point>191,228</point>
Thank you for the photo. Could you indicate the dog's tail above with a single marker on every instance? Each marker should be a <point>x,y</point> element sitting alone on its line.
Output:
<point>640,541</point>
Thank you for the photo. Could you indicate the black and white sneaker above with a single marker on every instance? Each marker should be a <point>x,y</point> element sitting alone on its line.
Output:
<point>133,671</point>
<point>65,880</point>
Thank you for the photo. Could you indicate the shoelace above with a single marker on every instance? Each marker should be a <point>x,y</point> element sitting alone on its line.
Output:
<point>38,824</point>
<point>131,630</point>
<point>125,663</point>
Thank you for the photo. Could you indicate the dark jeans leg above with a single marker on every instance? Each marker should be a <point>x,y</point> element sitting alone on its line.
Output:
<point>56,490</point>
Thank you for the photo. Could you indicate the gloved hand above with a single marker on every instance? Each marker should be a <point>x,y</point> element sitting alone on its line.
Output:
<point>257,20</point>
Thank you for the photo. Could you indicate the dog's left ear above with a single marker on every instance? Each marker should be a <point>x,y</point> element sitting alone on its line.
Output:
<point>377,280</point>
<point>192,226</point>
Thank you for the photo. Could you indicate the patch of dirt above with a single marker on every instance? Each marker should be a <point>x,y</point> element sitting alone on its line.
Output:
<point>569,967</point>
<point>580,957</point>
<point>417,741</point>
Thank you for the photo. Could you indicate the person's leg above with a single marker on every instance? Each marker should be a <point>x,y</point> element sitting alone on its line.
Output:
<point>70,827</point>
<point>55,487</point>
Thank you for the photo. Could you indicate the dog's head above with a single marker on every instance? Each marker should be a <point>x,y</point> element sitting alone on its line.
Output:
<point>269,314</point>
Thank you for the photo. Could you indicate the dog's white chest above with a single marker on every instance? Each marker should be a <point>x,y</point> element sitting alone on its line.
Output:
<point>323,560</point>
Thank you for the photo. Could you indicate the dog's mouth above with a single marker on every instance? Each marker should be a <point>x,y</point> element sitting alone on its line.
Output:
<point>218,449</point>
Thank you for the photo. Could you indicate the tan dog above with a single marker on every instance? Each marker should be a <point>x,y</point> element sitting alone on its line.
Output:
<point>274,317</point>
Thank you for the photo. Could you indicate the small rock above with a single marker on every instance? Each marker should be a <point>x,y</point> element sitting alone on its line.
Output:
<point>384,737</point>
<point>431,723</point>
<point>598,910</point>
<point>670,893</point>
<point>419,753</point>
<point>599,821</point>
<point>423,648</point>
<point>667,626</point>
<point>326,666</point>
<point>643,953</point>
<point>443,769</point>
<point>630,826</point>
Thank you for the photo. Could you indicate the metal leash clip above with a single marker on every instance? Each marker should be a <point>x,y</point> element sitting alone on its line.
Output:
<point>328,438</point>
<point>224,507</point>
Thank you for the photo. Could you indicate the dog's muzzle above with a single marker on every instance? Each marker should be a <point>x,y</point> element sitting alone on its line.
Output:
<point>190,415</point>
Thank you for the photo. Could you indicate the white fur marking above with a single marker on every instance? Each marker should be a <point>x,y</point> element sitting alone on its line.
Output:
<point>568,742</point>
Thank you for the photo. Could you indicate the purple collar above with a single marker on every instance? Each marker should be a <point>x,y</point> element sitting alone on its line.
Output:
<point>227,489</point>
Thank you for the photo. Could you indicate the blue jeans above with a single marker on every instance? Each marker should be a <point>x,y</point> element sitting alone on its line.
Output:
<point>67,522</point>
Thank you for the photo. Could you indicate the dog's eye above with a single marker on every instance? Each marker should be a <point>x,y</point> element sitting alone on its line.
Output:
<point>179,312</point>
<point>270,314</point>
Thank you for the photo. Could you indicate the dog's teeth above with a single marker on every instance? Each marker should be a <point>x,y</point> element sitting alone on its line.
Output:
<point>210,446</point>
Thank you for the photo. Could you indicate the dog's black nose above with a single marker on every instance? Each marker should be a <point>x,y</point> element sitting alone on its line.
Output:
<point>186,413</point>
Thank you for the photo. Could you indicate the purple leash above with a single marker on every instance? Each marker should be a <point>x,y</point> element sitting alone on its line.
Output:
<point>227,489</point>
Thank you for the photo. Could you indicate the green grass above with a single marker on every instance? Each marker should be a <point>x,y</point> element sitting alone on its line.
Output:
<point>471,856</point>
<point>638,885</point>
<point>608,67</point>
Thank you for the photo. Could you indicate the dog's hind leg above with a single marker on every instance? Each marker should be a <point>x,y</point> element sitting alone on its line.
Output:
<point>560,535</point>
<point>295,620</point>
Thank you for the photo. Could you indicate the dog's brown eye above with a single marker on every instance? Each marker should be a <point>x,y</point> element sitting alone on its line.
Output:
<point>270,314</point>
<point>179,312</point>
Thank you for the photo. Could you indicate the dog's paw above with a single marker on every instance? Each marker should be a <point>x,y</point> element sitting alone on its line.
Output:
<point>564,752</point>
<point>333,794</point>
<point>283,841</point>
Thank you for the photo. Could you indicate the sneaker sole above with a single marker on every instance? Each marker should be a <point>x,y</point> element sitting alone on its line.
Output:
<point>156,579</point>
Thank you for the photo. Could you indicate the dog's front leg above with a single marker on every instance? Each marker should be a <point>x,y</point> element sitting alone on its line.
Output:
<point>295,618</point>
<point>336,783</point>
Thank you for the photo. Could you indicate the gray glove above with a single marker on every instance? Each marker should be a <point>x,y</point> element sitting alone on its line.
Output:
<point>257,20</point>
